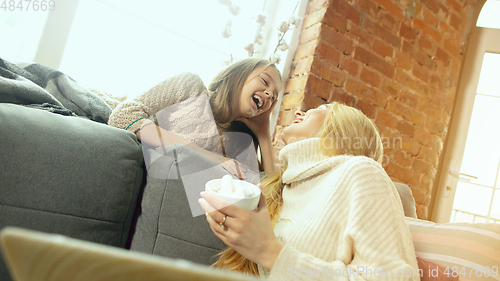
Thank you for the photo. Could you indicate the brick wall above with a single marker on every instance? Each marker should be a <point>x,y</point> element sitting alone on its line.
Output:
<point>396,60</point>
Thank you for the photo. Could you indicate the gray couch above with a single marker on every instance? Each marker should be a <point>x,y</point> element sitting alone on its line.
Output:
<point>76,177</point>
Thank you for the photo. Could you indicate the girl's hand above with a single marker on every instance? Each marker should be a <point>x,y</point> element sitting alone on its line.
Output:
<point>250,233</point>
<point>231,165</point>
<point>235,168</point>
<point>259,124</point>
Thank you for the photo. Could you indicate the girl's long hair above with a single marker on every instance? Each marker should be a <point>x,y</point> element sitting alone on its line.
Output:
<point>224,96</point>
<point>225,88</point>
<point>346,131</point>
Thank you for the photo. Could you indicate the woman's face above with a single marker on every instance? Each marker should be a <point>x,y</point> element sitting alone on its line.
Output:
<point>259,91</point>
<point>306,124</point>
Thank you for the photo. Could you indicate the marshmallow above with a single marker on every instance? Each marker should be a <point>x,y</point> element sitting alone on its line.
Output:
<point>226,185</point>
<point>239,193</point>
<point>234,188</point>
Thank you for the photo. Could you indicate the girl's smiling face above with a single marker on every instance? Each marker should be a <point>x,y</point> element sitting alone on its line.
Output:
<point>259,91</point>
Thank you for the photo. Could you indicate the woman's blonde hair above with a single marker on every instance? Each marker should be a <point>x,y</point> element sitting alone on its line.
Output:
<point>345,131</point>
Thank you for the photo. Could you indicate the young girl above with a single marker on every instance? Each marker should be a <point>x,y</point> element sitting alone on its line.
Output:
<point>333,212</point>
<point>245,91</point>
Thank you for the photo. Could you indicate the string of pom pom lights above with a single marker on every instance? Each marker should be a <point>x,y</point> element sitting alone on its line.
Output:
<point>258,46</point>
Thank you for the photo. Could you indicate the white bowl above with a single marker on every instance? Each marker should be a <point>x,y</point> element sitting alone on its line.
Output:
<point>249,203</point>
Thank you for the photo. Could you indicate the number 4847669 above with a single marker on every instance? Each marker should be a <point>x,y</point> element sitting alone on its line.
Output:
<point>28,5</point>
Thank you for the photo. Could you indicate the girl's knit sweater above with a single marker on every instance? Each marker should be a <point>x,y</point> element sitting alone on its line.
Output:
<point>179,105</point>
<point>341,219</point>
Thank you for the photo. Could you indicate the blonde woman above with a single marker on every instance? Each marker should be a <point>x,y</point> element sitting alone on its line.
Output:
<point>333,212</point>
<point>245,91</point>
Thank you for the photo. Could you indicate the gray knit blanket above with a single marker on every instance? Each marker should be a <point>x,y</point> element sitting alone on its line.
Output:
<point>39,86</point>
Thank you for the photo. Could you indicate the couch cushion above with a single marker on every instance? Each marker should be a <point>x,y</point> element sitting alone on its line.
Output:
<point>67,175</point>
<point>171,222</point>
<point>470,251</point>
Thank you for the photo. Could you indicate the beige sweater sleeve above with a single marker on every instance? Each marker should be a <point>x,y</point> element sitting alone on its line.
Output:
<point>133,114</point>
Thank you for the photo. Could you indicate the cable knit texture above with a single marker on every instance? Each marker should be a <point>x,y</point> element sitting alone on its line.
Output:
<point>179,105</point>
<point>341,218</point>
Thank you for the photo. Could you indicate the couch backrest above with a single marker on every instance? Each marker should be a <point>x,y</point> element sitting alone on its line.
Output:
<point>407,199</point>
<point>67,175</point>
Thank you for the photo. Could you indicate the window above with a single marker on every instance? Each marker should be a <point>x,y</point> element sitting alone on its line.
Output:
<point>489,15</point>
<point>468,189</point>
<point>477,198</point>
<point>127,47</point>
<point>21,31</point>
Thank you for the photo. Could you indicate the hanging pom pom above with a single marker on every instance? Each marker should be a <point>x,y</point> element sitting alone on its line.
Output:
<point>295,20</point>
<point>261,19</point>
<point>225,2</point>
<point>226,33</point>
<point>234,9</point>
<point>275,58</point>
<point>260,38</point>
<point>283,45</point>
<point>250,48</point>
<point>284,27</point>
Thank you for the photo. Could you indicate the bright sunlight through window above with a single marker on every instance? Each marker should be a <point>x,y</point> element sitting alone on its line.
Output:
<point>21,31</point>
<point>126,47</point>
<point>489,16</point>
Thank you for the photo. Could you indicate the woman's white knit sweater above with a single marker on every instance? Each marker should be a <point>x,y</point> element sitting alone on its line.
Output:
<point>341,219</point>
<point>179,105</point>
